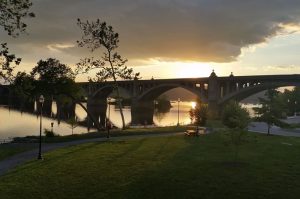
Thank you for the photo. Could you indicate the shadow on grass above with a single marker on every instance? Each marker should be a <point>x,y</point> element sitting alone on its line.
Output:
<point>204,168</point>
<point>131,149</point>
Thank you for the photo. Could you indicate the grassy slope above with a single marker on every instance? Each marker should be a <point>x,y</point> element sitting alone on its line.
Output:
<point>169,167</point>
<point>7,150</point>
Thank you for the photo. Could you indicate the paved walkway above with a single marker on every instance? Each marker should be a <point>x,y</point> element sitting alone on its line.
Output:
<point>261,127</point>
<point>13,161</point>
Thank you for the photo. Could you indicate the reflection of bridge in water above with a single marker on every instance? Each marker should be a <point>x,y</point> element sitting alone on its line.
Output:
<point>213,90</point>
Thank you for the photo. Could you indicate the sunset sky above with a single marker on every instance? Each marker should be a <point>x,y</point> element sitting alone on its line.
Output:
<point>171,38</point>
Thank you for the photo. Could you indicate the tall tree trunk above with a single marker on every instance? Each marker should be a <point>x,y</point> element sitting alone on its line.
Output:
<point>121,108</point>
<point>269,127</point>
<point>117,87</point>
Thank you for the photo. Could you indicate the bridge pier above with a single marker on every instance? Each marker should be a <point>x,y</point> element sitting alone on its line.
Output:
<point>65,110</point>
<point>214,94</point>
<point>97,108</point>
<point>214,110</point>
<point>142,112</point>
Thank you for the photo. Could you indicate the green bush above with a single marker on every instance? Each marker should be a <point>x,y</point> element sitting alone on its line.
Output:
<point>236,119</point>
<point>49,133</point>
<point>234,116</point>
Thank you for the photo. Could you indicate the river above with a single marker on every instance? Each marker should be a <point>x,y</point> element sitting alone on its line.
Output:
<point>13,123</point>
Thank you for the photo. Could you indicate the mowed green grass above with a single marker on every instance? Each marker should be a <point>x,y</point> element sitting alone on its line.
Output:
<point>164,167</point>
<point>7,150</point>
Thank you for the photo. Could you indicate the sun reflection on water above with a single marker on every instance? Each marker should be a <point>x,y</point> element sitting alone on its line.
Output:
<point>193,105</point>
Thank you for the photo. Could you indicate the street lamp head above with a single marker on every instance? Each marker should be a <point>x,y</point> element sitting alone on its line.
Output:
<point>41,99</point>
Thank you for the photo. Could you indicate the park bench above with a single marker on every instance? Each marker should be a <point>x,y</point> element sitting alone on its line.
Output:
<point>190,133</point>
<point>193,132</point>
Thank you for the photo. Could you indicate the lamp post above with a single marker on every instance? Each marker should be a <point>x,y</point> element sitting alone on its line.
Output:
<point>178,112</point>
<point>41,101</point>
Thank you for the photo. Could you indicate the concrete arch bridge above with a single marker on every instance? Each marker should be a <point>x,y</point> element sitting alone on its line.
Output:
<point>213,90</point>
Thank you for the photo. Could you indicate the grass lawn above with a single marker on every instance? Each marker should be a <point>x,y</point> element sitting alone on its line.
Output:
<point>164,167</point>
<point>7,150</point>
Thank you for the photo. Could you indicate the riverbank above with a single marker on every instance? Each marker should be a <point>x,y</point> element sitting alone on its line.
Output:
<point>103,134</point>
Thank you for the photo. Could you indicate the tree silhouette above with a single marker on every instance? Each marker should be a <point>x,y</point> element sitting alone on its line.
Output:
<point>12,13</point>
<point>111,65</point>
<point>7,63</point>
<point>199,114</point>
<point>72,122</point>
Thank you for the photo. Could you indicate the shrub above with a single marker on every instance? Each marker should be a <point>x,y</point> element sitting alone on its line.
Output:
<point>234,116</point>
<point>236,119</point>
<point>49,133</point>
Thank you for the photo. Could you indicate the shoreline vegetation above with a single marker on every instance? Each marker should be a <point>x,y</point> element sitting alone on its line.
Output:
<point>141,130</point>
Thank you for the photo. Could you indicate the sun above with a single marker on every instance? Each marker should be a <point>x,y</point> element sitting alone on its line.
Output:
<point>193,69</point>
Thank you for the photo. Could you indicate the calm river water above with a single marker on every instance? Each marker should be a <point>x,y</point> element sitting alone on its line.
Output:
<point>15,124</point>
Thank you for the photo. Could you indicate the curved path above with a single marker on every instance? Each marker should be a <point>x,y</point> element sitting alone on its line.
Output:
<point>13,161</point>
<point>260,127</point>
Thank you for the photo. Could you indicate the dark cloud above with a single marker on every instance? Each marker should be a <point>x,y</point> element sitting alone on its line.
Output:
<point>201,30</point>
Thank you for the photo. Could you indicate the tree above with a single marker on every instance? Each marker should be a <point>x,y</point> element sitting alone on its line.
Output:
<point>7,63</point>
<point>292,98</point>
<point>199,114</point>
<point>54,79</point>
<point>271,108</point>
<point>52,76</point>
<point>192,115</point>
<point>51,70</point>
<point>57,80</point>
<point>73,123</point>
<point>12,13</point>
<point>98,35</point>
<point>23,89</point>
<point>236,119</point>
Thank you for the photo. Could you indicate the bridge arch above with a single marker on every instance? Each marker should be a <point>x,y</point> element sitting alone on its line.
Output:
<point>154,92</point>
<point>105,91</point>
<point>243,93</point>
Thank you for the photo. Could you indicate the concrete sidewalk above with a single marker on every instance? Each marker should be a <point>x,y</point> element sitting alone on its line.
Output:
<point>261,127</point>
<point>21,158</point>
